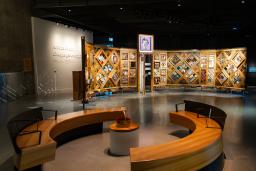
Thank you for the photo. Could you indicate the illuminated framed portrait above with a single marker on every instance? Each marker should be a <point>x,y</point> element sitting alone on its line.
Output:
<point>146,43</point>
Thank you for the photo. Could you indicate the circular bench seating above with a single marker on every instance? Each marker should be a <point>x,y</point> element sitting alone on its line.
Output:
<point>196,151</point>
<point>55,132</point>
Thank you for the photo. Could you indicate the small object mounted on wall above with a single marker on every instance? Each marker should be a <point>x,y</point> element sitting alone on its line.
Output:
<point>125,56</point>
<point>133,64</point>
<point>157,80</point>
<point>146,43</point>
<point>157,65</point>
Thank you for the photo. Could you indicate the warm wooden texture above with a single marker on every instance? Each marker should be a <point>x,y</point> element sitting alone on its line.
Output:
<point>231,68</point>
<point>128,72</point>
<point>131,127</point>
<point>224,68</point>
<point>193,152</point>
<point>77,85</point>
<point>37,154</point>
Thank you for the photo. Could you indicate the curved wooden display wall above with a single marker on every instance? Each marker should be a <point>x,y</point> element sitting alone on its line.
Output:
<point>111,68</point>
<point>116,68</point>
<point>193,152</point>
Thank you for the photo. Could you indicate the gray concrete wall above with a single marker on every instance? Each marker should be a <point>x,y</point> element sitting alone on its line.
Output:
<point>16,35</point>
<point>57,52</point>
<point>15,85</point>
<point>15,46</point>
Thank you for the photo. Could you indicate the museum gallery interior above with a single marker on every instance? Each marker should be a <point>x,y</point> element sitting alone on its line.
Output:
<point>145,85</point>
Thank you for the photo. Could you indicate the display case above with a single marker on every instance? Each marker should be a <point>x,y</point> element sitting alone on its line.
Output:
<point>207,67</point>
<point>128,67</point>
<point>160,68</point>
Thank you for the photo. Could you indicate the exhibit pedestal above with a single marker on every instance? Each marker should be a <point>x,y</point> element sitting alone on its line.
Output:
<point>123,138</point>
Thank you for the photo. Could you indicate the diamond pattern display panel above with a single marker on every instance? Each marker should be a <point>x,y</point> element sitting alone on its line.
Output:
<point>231,68</point>
<point>183,67</point>
<point>114,68</point>
<point>106,66</point>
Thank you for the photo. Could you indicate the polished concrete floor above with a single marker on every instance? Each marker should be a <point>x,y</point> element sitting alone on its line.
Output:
<point>150,111</point>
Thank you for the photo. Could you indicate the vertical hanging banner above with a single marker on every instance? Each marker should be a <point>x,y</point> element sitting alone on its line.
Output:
<point>146,43</point>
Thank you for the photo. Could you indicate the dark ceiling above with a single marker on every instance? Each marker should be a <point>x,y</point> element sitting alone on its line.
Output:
<point>160,17</point>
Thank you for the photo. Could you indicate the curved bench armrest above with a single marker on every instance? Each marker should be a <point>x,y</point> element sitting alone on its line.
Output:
<point>212,117</point>
<point>55,112</point>
<point>177,105</point>
<point>32,132</point>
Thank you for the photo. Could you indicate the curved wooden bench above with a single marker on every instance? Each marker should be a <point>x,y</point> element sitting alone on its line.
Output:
<point>33,155</point>
<point>193,152</point>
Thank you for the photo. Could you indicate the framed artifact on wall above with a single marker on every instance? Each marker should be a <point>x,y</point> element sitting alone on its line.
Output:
<point>222,78</point>
<point>163,57</point>
<point>163,80</point>
<point>237,59</point>
<point>156,57</point>
<point>163,72</point>
<point>124,80</point>
<point>124,72</point>
<point>156,80</point>
<point>132,81</point>
<point>115,77</point>
<point>163,64</point>
<point>156,65</point>
<point>125,64</point>
<point>132,72</point>
<point>101,59</point>
<point>107,68</point>
<point>132,64</point>
<point>133,56</point>
<point>146,43</point>
<point>156,72</point>
<point>114,59</point>
<point>125,56</point>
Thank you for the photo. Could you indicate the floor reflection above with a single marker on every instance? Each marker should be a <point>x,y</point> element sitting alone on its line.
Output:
<point>151,111</point>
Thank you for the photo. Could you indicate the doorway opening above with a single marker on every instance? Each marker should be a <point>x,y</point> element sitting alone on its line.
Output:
<point>148,72</point>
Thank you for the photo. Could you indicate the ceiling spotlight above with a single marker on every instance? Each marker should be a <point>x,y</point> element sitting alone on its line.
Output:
<point>179,5</point>
<point>169,21</point>
<point>121,8</point>
<point>69,10</point>
<point>234,28</point>
<point>243,1</point>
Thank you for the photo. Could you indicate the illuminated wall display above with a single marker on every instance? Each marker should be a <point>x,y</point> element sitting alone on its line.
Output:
<point>146,43</point>
<point>215,68</point>
<point>223,68</point>
<point>57,52</point>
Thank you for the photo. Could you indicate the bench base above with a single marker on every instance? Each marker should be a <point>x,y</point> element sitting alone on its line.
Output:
<point>36,168</point>
<point>78,133</point>
<point>216,165</point>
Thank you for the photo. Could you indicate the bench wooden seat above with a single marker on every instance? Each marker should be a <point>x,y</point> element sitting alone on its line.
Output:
<point>197,150</point>
<point>33,154</point>
<point>193,152</point>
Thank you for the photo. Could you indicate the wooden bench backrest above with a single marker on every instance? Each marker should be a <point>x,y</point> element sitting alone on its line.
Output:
<point>216,114</point>
<point>21,121</point>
